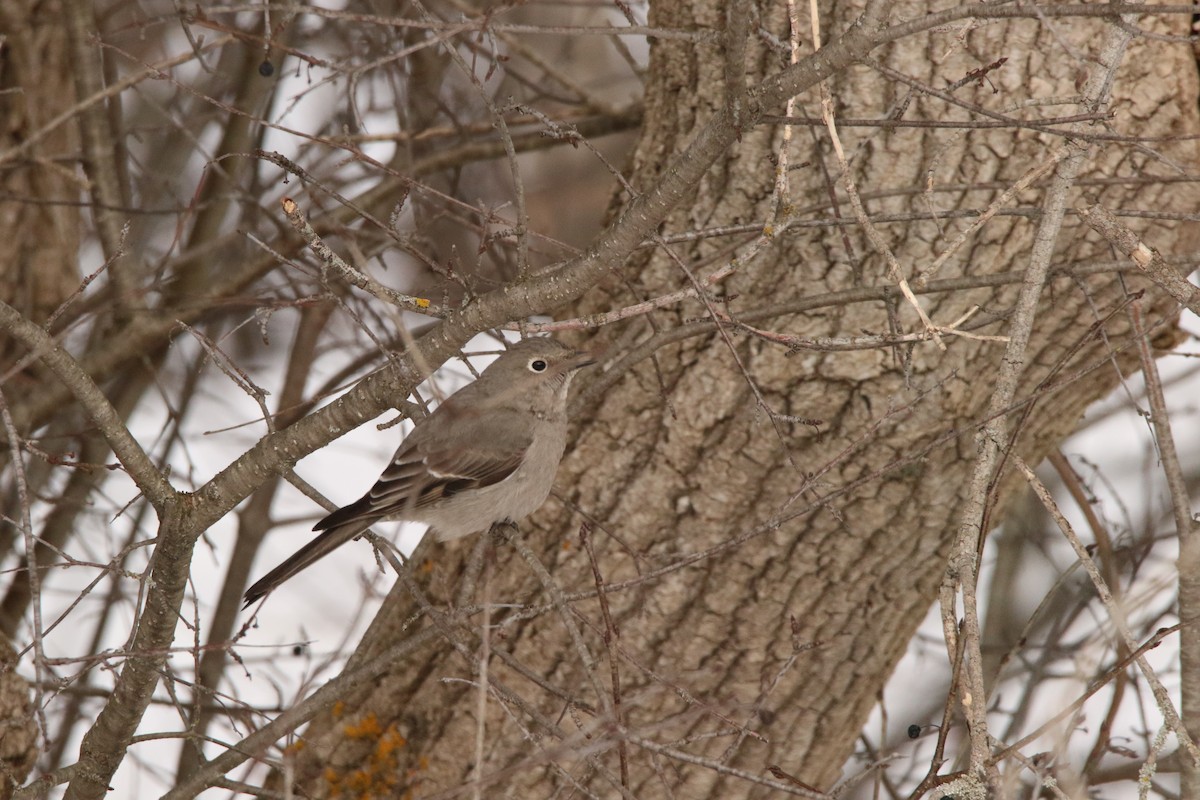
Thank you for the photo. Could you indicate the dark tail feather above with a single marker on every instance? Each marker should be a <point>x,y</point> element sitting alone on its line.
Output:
<point>324,544</point>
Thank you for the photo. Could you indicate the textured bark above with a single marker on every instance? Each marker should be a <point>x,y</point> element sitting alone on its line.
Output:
<point>37,273</point>
<point>38,250</point>
<point>18,726</point>
<point>675,458</point>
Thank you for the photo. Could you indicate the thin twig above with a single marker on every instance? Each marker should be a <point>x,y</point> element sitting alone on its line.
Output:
<point>332,260</point>
<point>611,634</point>
<point>1115,612</point>
<point>1187,531</point>
<point>508,533</point>
<point>895,271</point>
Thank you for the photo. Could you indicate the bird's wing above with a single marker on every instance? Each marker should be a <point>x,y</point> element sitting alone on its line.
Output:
<point>468,451</point>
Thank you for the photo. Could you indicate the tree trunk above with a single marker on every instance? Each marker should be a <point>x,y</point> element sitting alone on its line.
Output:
<point>38,254</point>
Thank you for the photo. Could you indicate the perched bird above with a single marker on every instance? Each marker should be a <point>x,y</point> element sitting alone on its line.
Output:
<point>487,454</point>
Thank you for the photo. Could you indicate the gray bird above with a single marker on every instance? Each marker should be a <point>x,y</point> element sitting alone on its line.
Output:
<point>487,454</point>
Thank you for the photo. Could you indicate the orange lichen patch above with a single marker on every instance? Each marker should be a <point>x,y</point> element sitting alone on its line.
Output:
<point>362,782</point>
<point>367,728</point>
<point>379,772</point>
<point>389,742</point>
<point>294,747</point>
<point>338,709</point>
<point>427,566</point>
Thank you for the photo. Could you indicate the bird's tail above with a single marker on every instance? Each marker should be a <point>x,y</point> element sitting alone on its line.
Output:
<point>326,542</point>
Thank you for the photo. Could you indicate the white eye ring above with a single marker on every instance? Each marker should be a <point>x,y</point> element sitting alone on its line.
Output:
<point>537,365</point>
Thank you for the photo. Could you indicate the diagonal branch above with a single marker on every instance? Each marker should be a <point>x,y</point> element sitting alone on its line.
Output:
<point>135,460</point>
<point>962,572</point>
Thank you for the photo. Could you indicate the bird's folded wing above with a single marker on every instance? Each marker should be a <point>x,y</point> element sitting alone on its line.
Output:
<point>477,451</point>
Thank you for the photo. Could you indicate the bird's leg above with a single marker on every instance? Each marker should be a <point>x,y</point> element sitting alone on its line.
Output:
<point>501,531</point>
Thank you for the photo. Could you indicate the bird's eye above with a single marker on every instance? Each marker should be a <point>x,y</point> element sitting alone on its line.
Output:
<point>537,365</point>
